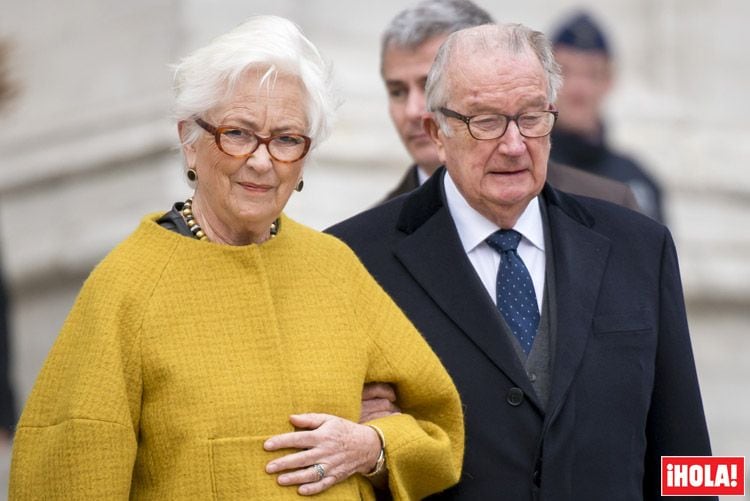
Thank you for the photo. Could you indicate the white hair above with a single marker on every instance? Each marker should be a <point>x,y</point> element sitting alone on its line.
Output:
<point>514,38</point>
<point>206,77</point>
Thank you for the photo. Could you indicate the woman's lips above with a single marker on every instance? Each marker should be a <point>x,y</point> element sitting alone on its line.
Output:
<point>260,188</point>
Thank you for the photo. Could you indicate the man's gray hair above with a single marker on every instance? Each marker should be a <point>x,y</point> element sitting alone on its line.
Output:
<point>414,26</point>
<point>274,45</point>
<point>514,38</point>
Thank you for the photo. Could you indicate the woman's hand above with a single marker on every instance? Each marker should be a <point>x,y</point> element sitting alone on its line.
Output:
<point>338,446</point>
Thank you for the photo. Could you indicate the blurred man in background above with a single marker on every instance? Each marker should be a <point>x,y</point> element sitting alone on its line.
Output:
<point>408,48</point>
<point>579,137</point>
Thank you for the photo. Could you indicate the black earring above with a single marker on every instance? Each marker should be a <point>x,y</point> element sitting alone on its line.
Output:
<point>191,174</point>
<point>300,185</point>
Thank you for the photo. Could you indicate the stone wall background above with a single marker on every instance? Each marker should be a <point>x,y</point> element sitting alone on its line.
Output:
<point>87,147</point>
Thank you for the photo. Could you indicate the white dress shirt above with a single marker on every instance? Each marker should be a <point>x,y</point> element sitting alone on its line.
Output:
<point>422,176</point>
<point>474,228</point>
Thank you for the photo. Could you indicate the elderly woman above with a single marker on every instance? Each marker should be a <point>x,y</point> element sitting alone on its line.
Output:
<point>221,350</point>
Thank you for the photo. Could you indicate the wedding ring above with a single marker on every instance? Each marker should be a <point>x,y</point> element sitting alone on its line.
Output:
<point>319,470</point>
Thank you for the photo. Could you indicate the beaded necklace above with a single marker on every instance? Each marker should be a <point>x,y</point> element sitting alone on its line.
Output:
<point>195,228</point>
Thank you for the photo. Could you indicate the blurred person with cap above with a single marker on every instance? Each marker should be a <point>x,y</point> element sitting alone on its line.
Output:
<point>408,47</point>
<point>579,138</point>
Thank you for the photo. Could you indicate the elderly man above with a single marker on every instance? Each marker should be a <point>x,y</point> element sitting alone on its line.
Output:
<point>408,47</point>
<point>560,318</point>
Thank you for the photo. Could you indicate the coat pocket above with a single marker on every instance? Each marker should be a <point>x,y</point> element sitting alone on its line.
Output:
<point>623,323</point>
<point>238,472</point>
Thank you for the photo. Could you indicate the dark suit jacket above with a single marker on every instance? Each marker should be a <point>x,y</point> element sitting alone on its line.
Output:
<point>560,176</point>
<point>624,390</point>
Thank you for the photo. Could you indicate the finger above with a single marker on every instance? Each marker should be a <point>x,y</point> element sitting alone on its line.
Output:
<point>292,440</point>
<point>378,407</point>
<point>307,475</point>
<point>377,415</point>
<point>293,461</point>
<point>379,390</point>
<point>310,420</point>
<point>317,487</point>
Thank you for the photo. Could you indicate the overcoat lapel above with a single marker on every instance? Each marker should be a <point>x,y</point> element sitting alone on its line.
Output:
<point>580,256</point>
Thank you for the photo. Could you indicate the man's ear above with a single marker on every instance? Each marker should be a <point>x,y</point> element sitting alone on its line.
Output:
<point>432,129</point>
<point>187,148</point>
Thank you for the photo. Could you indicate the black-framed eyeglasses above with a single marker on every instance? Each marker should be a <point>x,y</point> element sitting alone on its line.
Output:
<point>242,143</point>
<point>492,126</point>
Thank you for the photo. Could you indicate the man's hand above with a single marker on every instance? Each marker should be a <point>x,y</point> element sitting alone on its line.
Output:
<point>378,400</point>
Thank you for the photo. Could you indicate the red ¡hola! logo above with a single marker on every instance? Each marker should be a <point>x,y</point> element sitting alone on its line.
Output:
<point>702,476</point>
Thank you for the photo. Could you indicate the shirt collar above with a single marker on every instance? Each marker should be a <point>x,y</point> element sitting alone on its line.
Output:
<point>422,175</point>
<point>473,228</point>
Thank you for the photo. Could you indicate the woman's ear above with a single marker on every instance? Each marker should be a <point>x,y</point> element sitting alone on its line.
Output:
<point>187,148</point>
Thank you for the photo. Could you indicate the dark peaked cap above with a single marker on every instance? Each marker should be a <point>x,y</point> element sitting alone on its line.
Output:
<point>581,32</point>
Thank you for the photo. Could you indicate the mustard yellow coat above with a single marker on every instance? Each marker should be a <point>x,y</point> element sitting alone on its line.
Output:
<point>181,357</point>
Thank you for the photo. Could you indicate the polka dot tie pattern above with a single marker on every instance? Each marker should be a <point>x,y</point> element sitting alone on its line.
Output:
<point>516,298</point>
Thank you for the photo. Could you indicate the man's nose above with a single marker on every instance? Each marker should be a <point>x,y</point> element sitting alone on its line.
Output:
<point>415,106</point>
<point>512,142</point>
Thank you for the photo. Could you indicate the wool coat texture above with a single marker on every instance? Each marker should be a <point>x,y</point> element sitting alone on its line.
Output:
<point>181,357</point>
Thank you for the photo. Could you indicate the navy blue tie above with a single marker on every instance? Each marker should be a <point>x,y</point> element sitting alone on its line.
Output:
<point>516,298</point>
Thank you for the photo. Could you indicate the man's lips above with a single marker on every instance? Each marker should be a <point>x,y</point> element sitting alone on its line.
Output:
<point>509,172</point>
